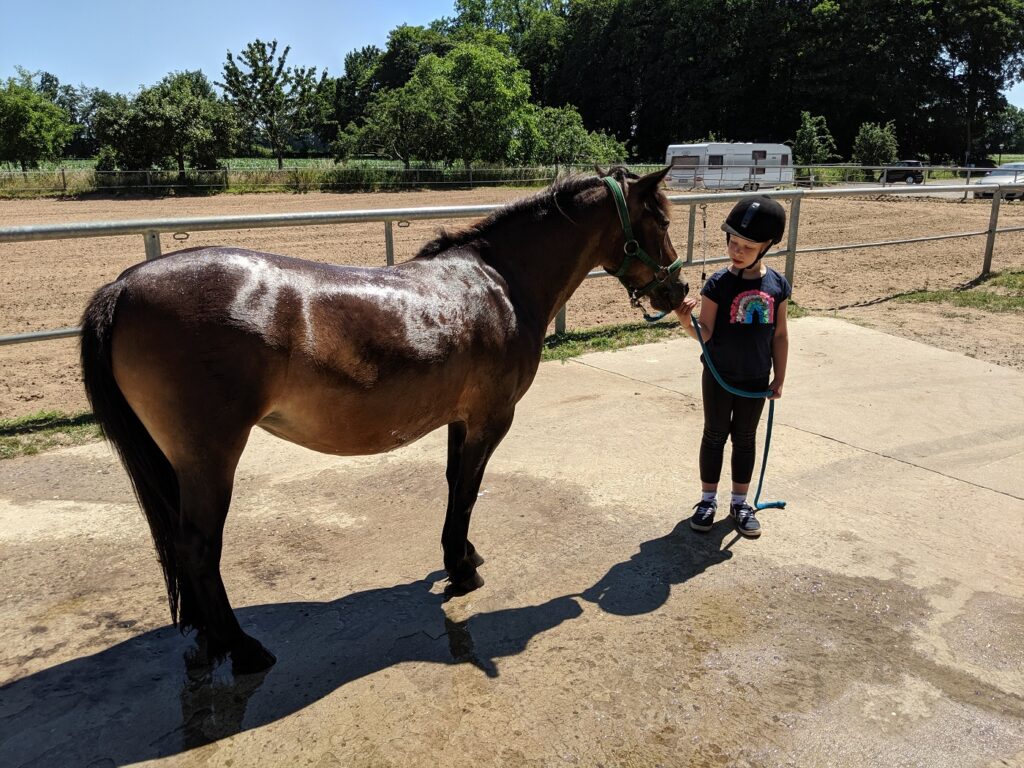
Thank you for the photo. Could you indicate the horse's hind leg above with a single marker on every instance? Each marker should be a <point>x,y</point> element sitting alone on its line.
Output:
<point>468,453</point>
<point>205,497</point>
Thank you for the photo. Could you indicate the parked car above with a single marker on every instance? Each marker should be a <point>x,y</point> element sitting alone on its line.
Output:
<point>1007,173</point>
<point>907,171</point>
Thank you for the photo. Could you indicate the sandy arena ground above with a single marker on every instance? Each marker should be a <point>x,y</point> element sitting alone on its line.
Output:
<point>46,284</point>
<point>876,623</point>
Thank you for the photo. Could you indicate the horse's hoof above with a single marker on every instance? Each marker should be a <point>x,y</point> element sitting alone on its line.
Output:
<point>466,585</point>
<point>250,656</point>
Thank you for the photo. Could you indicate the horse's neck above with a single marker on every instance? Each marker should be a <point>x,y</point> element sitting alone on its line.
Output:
<point>545,262</point>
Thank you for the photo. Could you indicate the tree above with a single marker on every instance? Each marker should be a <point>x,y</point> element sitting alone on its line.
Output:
<point>562,139</point>
<point>32,128</point>
<point>492,96</point>
<point>178,122</point>
<point>1006,132</point>
<point>354,89</point>
<point>983,49</point>
<point>875,144</point>
<point>406,46</point>
<point>417,120</point>
<point>813,143</point>
<point>277,101</point>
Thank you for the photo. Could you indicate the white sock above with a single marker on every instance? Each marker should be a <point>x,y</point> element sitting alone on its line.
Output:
<point>738,498</point>
<point>708,496</point>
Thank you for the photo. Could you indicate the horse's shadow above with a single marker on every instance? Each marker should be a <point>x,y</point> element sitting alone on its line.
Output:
<point>135,702</point>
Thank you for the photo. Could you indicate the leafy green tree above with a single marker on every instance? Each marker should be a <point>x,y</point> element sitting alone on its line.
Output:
<point>197,128</point>
<point>983,50</point>
<point>562,139</point>
<point>875,144</point>
<point>814,143</point>
<point>32,127</point>
<point>406,45</point>
<point>179,122</point>
<point>277,101</point>
<point>1005,132</point>
<point>492,97</point>
<point>418,120</point>
<point>354,89</point>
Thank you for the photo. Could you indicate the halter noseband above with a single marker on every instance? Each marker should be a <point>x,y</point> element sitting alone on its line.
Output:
<point>633,250</point>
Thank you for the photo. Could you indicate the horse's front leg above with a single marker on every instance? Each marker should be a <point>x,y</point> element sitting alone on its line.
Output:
<point>469,449</point>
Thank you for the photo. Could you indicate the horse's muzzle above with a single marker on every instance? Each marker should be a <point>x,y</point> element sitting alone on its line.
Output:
<point>668,294</point>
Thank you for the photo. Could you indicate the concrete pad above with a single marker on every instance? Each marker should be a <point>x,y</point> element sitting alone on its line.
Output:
<point>876,622</point>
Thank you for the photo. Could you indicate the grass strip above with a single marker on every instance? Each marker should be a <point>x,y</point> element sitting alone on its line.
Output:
<point>29,435</point>
<point>999,292</point>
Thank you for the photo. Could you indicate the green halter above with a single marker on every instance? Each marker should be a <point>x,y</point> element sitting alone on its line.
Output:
<point>634,250</point>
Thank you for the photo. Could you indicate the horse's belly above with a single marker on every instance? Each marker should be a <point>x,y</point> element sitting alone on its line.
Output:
<point>348,429</point>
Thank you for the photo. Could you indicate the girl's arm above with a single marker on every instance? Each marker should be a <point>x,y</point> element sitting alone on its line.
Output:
<point>708,310</point>
<point>780,351</point>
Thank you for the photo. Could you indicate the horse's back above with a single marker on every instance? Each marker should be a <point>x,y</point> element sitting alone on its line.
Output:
<point>341,359</point>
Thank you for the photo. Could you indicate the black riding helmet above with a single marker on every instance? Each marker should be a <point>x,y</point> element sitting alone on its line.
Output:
<point>760,219</point>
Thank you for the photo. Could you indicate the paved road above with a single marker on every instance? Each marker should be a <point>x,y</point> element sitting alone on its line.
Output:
<point>876,622</point>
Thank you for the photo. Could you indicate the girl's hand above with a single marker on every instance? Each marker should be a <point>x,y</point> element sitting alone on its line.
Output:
<point>776,389</point>
<point>686,308</point>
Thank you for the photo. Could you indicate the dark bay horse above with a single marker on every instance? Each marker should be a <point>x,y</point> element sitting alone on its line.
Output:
<point>182,356</point>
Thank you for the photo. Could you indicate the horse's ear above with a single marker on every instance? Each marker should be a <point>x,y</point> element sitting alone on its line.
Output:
<point>601,173</point>
<point>647,185</point>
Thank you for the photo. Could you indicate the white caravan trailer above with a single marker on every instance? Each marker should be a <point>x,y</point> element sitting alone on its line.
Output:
<point>720,165</point>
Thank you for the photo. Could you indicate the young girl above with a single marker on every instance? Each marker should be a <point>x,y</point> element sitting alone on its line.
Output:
<point>743,323</point>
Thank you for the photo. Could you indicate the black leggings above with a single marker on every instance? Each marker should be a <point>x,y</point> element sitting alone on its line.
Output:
<point>728,415</point>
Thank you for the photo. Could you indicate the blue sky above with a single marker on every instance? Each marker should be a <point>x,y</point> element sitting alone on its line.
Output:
<point>120,45</point>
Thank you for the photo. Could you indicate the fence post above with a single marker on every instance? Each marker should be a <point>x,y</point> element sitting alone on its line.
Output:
<point>63,180</point>
<point>993,223</point>
<point>794,229</point>
<point>389,243</point>
<point>560,320</point>
<point>226,181</point>
<point>152,239</point>
<point>689,234</point>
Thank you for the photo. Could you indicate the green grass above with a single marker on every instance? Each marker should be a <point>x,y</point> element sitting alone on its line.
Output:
<point>999,292</point>
<point>562,346</point>
<point>44,430</point>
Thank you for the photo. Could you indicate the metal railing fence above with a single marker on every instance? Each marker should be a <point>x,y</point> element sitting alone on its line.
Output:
<point>151,229</point>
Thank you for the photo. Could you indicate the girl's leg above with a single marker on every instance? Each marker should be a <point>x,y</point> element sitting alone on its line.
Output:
<point>746,413</point>
<point>718,406</point>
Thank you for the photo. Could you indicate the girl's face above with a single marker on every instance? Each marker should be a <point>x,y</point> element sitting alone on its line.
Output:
<point>742,252</point>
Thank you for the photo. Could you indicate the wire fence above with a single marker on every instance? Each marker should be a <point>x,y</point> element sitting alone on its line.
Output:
<point>305,178</point>
<point>74,181</point>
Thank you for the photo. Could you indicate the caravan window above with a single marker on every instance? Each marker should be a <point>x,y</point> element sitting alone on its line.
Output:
<point>783,159</point>
<point>715,159</point>
<point>759,154</point>
<point>685,161</point>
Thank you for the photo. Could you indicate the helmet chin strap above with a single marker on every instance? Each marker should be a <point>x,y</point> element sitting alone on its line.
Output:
<point>761,255</point>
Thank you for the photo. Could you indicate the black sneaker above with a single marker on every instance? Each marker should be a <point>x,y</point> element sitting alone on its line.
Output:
<point>704,517</point>
<point>746,523</point>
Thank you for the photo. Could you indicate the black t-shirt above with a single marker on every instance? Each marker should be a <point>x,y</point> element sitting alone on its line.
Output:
<point>741,345</point>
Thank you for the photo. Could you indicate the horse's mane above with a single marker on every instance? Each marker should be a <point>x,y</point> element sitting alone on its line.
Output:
<point>547,201</point>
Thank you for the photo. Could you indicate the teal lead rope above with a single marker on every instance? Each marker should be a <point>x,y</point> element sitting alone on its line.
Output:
<point>742,393</point>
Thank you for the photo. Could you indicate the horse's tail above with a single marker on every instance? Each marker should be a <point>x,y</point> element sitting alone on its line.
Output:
<point>153,478</point>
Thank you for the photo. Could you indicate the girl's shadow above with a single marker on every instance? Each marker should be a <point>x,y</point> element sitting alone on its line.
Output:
<point>644,582</point>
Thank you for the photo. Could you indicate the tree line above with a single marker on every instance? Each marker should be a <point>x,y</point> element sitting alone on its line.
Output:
<point>521,82</point>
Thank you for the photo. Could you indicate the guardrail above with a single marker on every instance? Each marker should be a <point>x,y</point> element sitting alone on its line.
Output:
<point>151,229</point>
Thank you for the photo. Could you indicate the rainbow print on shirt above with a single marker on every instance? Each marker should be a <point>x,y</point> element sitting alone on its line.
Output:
<point>753,307</point>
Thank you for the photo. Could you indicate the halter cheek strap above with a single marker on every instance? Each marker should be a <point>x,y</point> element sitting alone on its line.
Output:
<point>633,250</point>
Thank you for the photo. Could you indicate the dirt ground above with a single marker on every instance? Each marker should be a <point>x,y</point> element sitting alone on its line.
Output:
<point>45,285</point>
